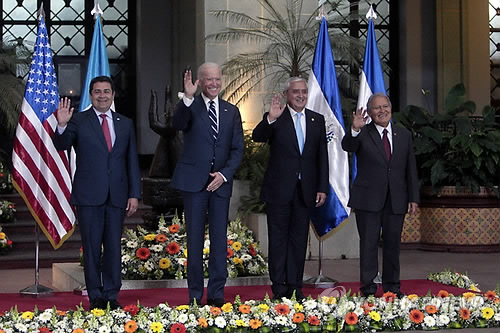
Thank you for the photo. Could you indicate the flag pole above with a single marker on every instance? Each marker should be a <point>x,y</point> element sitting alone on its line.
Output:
<point>320,281</point>
<point>37,290</point>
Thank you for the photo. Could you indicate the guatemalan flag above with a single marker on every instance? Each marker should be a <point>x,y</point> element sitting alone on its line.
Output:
<point>98,60</point>
<point>324,98</point>
<point>372,77</point>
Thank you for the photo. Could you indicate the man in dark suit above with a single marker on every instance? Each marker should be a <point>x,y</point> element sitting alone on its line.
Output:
<point>213,149</point>
<point>296,180</point>
<point>385,189</point>
<point>106,185</point>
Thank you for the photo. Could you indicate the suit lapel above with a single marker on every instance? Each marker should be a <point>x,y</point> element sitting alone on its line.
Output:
<point>289,124</point>
<point>96,126</point>
<point>375,135</point>
<point>119,130</point>
<point>223,117</point>
<point>200,106</point>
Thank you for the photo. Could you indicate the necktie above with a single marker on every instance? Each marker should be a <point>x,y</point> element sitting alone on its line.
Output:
<point>298,130</point>
<point>387,145</point>
<point>213,119</point>
<point>105,130</point>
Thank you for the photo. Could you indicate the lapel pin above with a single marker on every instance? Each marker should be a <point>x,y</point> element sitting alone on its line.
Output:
<point>117,118</point>
<point>312,119</point>
<point>225,110</point>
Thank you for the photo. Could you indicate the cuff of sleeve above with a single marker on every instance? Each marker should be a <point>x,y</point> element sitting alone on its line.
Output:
<point>187,101</point>
<point>223,177</point>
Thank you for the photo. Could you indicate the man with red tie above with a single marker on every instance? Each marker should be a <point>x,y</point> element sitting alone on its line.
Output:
<point>106,185</point>
<point>385,189</point>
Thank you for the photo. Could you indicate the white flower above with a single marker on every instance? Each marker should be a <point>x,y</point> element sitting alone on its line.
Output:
<point>310,304</point>
<point>182,318</point>
<point>232,236</point>
<point>220,322</point>
<point>21,327</point>
<point>246,257</point>
<point>104,329</point>
<point>149,266</point>
<point>281,320</point>
<point>132,244</point>
<point>45,316</point>
<point>429,321</point>
<point>156,248</point>
<point>206,244</point>
<point>181,261</point>
<point>125,258</point>
<point>443,320</point>
<point>359,311</point>
<point>436,302</point>
<point>497,316</point>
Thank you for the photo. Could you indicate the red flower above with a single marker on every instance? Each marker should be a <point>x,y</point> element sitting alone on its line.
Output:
<point>313,320</point>
<point>174,228</point>
<point>282,309</point>
<point>252,251</point>
<point>351,318</point>
<point>173,248</point>
<point>490,295</point>
<point>230,252</point>
<point>416,316</point>
<point>9,242</point>
<point>178,328</point>
<point>132,309</point>
<point>161,238</point>
<point>464,313</point>
<point>142,253</point>
<point>44,330</point>
<point>389,296</point>
<point>367,307</point>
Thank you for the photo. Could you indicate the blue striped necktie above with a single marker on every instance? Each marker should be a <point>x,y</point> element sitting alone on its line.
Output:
<point>213,119</point>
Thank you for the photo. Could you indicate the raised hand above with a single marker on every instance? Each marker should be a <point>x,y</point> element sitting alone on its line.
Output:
<point>189,87</point>
<point>359,119</point>
<point>276,108</point>
<point>64,112</point>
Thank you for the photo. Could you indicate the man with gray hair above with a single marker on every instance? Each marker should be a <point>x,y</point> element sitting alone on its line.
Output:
<point>296,181</point>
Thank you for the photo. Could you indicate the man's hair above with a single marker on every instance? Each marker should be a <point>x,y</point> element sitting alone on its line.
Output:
<point>293,79</point>
<point>372,97</point>
<point>206,65</point>
<point>101,79</point>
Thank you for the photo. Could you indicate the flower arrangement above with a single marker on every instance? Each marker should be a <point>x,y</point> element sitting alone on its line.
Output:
<point>7,210</point>
<point>5,242</point>
<point>163,254</point>
<point>5,180</point>
<point>454,279</point>
<point>348,313</point>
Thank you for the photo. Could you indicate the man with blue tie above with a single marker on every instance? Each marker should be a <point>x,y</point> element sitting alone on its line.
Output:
<point>213,149</point>
<point>296,181</point>
<point>106,185</point>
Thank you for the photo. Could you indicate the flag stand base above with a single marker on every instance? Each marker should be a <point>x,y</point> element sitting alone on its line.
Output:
<point>81,290</point>
<point>36,291</point>
<point>320,281</point>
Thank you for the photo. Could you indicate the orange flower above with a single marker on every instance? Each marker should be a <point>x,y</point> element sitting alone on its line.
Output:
<point>351,318</point>
<point>431,309</point>
<point>367,307</point>
<point>2,331</point>
<point>215,311</point>
<point>130,326</point>
<point>230,242</point>
<point>412,297</point>
<point>142,253</point>
<point>255,324</point>
<point>282,309</point>
<point>389,296</point>
<point>78,330</point>
<point>174,228</point>
<point>230,252</point>
<point>60,313</point>
<point>173,248</point>
<point>464,313</point>
<point>490,295</point>
<point>298,317</point>
<point>313,320</point>
<point>443,294</point>
<point>416,316</point>
<point>468,295</point>
<point>161,238</point>
<point>244,308</point>
<point>202,322</point>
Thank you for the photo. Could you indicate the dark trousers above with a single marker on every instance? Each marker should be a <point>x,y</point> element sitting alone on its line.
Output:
<point>196,206</point>
<point>369,225</point>
<point>101,228</point>
<point>288,229</point>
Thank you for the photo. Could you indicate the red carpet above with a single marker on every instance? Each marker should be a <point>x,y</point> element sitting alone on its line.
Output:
<point>177,296</point>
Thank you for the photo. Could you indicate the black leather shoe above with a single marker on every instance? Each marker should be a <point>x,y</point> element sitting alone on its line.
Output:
<point>278,296</point>
<point>97,303</point>
<point>218,302</point>
<point>113,304</point>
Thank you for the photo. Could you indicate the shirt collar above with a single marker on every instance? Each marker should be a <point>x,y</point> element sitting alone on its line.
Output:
<point>380,129</point>
<point>293,112</point>
<point>206,100</point>
<point>107,113</point>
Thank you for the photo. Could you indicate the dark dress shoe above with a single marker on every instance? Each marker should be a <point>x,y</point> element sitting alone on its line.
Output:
<point>218,302</point>
<point>113,304</point>
<point>192,301</point>
<point>97,303</point>
<point>278,296</point>
<point>299,296</point>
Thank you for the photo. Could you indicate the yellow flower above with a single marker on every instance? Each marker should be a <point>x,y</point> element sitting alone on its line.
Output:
<point>469,295</point>
<point>183,307</point>
<point>206,250</point>
<point>236,246</point>
<point>240,323</point>
<point>156,327</point>
<point>2,235</point>
<point>228,307</point>
<point>237,261</point>
<point>27,315</point>
<point>487,313</point>
<point>375,315</point>
<point>329,300</point>
<point>412,297</point>
<point>97,312</point>
<point>164,263</point>
<point>150,237</point>
<point>298,307</point>
<point>473,288</point>
<point>186,253</point>
<point>263,307</point>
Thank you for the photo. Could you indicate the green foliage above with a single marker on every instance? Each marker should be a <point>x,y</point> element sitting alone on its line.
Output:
<point>453,148</point>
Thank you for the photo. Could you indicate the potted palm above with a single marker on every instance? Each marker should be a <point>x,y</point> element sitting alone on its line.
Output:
<point>458,156</point>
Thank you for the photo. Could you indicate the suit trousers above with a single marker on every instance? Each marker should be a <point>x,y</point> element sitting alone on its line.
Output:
<point>288,230</point>
<point>197,205</point>
<point>369,225</point>
<point>101,231</point>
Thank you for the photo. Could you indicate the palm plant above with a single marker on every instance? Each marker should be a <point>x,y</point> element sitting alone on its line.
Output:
<point>285,42</point>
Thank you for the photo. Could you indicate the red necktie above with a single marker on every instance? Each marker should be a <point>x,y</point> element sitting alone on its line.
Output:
<point>105,130</point>
<point>387,145</point>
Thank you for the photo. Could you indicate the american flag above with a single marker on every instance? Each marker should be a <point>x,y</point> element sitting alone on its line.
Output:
<point>40,173</point>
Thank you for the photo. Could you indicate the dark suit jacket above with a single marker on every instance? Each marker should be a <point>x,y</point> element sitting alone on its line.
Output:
<point>376,175</point>
<point>286,162</point>
<point>195,162</point>
<point>98,171</point>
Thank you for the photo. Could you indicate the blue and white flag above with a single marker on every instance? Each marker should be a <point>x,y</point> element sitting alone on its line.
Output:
<point>98,63</point>
<point>372,77</point>
<point>324,98</point>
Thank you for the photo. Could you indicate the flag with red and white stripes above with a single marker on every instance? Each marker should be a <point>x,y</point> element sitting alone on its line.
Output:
<point>40,173</point>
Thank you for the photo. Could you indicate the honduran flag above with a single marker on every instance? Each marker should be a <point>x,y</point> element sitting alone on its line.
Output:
<point>324,98</point>
<point>372,76</point>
